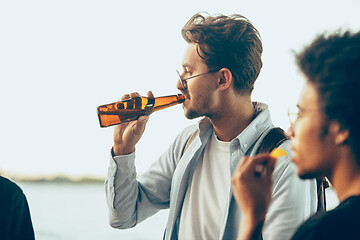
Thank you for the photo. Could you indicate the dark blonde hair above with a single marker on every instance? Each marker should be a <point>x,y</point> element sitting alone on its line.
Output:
<point>227,42</point>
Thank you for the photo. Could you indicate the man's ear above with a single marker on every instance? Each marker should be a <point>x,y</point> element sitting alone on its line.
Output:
<point>341,135</point>
<point>225,78</point>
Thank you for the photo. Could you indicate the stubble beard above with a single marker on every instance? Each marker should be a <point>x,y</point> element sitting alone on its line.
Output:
<point>191,113</point>
<point>200,110</point>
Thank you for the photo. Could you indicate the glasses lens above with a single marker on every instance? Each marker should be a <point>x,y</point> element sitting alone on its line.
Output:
<point>292,114</point>
<point>182,81</point>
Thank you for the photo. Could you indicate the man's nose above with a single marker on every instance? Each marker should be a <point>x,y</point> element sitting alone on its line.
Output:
<point>290,131</point>
<point>179,85</point>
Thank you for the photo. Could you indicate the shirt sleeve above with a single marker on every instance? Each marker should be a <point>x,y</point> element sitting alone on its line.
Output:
<point>131,198</point>
<point>121,191</point>
<point>293,201</point>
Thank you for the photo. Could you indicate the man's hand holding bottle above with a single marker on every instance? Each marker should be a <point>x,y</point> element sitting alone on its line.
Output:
<point>127,134</point>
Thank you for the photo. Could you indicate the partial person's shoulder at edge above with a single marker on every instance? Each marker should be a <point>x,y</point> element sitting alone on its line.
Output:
<point>9,186</point>
<point>338,223</point>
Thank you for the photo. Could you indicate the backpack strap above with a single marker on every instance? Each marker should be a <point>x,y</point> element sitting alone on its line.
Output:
<point>275,138</point>
<point>322,184</point>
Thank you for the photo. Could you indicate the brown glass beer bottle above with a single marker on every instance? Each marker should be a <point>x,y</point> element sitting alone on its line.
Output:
<point>132,109</point>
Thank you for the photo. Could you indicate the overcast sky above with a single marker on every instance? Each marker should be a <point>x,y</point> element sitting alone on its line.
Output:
<point>59,60</point>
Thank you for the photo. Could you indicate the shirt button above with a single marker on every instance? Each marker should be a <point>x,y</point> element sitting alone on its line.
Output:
<point>245,145</point>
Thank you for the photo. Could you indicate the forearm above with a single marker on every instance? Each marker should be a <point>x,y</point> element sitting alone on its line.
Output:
<point>250,229</point>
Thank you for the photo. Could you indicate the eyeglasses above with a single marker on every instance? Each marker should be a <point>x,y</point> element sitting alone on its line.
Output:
<point>183,81</point>
<point>293,116</point>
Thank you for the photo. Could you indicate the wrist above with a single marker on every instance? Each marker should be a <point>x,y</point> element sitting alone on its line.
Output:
<point>250,228</point>
<point>254,218</point>
<point>119,150</point>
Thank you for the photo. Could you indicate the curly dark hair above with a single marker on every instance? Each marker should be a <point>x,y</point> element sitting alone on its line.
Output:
<point>230,42</point>
<point>332,63</point>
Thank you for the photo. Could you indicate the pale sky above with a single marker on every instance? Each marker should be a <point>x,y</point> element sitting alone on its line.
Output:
<point>59,60</point>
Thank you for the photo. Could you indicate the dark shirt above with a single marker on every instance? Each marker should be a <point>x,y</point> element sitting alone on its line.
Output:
<point>15,220</point>
<point>343,222</point>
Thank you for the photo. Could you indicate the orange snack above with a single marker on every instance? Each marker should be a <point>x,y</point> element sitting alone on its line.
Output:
<point>278,152</point>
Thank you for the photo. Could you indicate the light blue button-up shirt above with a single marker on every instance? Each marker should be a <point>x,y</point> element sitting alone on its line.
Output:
<point>132,200</point>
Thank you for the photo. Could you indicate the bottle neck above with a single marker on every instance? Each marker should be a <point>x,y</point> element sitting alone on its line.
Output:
<point>168,101</point>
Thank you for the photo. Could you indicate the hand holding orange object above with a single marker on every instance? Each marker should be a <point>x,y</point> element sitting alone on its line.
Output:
<point>252,187</point>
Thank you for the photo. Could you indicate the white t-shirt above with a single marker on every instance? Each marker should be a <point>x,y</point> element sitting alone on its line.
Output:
<point>207,194</point>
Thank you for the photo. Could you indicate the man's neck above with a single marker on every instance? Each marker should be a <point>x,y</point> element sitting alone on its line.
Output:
<point>232,120</point>
<point>346,177</point>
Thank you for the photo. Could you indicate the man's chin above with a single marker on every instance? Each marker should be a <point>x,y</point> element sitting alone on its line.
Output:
<point>307,175</point>
<point>191,116</point>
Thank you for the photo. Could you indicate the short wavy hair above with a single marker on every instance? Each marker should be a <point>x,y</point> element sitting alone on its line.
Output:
<point>227,42</point>
<point>332,63</point>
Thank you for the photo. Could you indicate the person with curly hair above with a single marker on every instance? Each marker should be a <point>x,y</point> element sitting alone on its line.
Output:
<point>325,142</point>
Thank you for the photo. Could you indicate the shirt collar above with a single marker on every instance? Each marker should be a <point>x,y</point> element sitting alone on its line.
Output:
<point>251,133</point>
<point>258,125</point>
